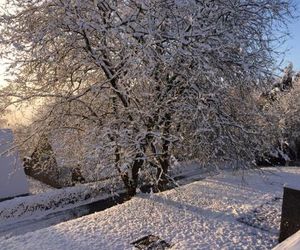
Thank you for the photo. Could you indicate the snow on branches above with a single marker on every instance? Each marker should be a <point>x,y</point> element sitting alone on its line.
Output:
<point>141,81</point>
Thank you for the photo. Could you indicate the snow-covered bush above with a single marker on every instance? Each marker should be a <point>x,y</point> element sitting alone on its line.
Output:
<point>31,207</point>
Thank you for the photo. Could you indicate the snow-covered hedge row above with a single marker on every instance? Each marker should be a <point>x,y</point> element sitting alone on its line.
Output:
<point>40,205</point>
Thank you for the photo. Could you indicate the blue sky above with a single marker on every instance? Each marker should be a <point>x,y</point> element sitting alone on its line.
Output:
<point>293,43</point>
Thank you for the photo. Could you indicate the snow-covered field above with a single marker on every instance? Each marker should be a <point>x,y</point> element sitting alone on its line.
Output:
<point>46,201</point>
<point>221,212</point>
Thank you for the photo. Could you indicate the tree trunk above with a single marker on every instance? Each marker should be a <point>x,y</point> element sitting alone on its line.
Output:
<point>131,183</point>
<point>162,172</point>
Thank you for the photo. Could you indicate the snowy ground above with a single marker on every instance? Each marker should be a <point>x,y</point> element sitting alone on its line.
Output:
<point>40,205</point>
<point>32,225</point>
<point>49,206</point>
<point>45,200</point>
<point>37,187</point>
<point>227,211</point>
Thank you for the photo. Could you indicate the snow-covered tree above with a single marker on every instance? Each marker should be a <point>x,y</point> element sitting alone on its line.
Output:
<point>287,108</point>
<point>145,80</point>
<point>281,106</point>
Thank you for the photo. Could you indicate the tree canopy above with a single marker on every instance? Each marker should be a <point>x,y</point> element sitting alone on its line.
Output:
<point>142,81</point>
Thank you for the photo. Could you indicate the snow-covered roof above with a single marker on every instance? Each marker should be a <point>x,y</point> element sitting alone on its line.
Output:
<point>291,243</point>
<point>295,186</point>
<point>13,181</point>
<point>206,214</point>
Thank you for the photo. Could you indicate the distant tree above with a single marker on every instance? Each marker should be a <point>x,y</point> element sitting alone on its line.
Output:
<point>281,106</point>
<point>145,80</point>
<point>287,80</point>
<point>287,107</point>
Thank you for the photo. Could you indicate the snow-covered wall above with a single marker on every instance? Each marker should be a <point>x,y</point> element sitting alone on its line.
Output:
<point>13,180</point>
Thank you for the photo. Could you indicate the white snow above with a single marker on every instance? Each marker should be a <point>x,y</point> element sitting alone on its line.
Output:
<point>291,243</point>
<point>40,205</point>
<point>293,186</point>
<point>203,215</point>
<point>12,177</point>
<point>38,187</point>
